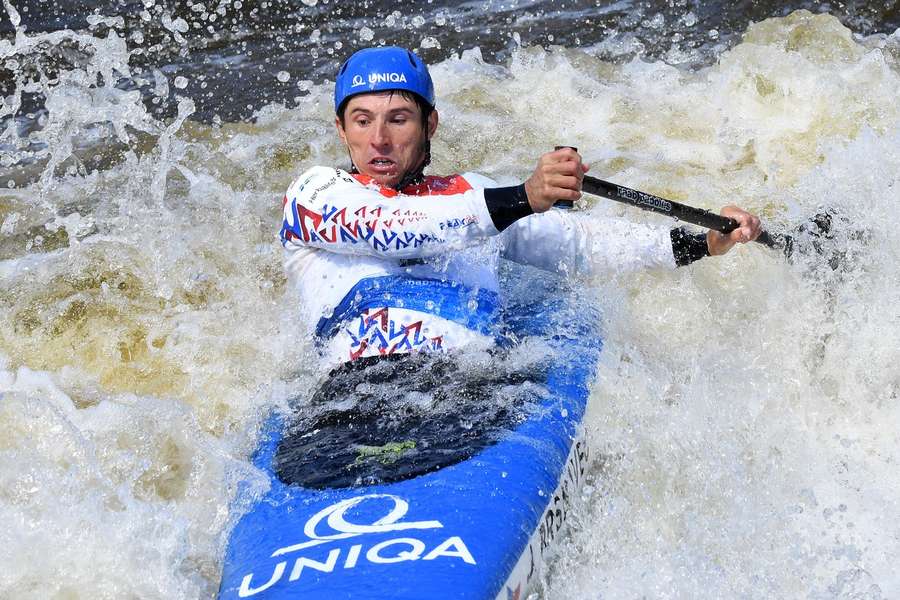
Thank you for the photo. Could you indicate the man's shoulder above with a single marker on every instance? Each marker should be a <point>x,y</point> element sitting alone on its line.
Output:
<point>317,179</point>
<point>450,184</point>
<point>477,180</point>
<point>436,184</point>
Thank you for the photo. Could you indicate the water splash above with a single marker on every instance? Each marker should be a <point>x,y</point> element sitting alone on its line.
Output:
<point>147,328</point>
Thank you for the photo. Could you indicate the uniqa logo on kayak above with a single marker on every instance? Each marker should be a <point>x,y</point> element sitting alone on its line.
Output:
<point>390,551</point>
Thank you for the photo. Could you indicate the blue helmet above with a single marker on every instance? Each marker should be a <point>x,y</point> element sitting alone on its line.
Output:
<point>383,69</point>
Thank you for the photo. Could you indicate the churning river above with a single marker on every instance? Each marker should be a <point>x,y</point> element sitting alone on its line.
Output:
<point>747,411</point>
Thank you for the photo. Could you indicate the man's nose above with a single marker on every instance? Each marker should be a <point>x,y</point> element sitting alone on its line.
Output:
<point>381,136</point>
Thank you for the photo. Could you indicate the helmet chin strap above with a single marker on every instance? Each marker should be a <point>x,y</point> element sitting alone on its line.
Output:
<point>414,176</point>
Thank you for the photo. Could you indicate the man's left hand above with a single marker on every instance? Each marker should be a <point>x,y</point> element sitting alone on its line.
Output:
<point>748,230</point>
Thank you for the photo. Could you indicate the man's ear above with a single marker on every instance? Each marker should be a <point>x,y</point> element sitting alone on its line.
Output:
<point>340,129</point>
<point>432,123</point>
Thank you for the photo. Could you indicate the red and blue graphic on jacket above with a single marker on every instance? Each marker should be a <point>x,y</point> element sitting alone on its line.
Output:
<point>375,224</point>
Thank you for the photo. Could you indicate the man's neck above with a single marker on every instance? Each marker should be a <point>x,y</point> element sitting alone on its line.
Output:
<point>412,177</point>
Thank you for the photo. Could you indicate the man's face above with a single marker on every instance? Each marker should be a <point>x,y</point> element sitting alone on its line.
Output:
<point>384,133</point>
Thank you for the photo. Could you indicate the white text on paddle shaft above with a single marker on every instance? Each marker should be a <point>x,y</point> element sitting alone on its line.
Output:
<point>385,552</point>
<point>645,199</point>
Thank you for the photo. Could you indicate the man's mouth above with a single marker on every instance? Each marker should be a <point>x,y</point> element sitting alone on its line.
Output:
<point>382,164</point>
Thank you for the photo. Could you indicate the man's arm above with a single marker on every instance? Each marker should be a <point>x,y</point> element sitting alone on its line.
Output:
<point>580,244</point>
<point>560,241</point>
<point>328,209</point>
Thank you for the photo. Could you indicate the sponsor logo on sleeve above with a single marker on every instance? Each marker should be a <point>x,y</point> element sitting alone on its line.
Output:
<point>458,223</point>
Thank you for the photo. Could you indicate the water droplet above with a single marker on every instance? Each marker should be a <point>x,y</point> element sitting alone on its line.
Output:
<point>310,2</point>
<point>418,21</point>
<point>181,82</point>
<point>283,76</point>
<point>430,42</point>
<point>656,22</point>
<point>366,34</point>
<point>689,19</point>
<point>391,19</point>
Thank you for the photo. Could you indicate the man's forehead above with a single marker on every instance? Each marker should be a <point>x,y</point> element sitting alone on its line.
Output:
<point>381,101</point>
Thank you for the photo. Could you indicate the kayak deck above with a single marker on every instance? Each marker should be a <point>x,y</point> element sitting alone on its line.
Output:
<point>480,528</point>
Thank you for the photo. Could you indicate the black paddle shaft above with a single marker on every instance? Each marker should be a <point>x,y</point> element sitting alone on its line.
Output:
<point>688,214</point>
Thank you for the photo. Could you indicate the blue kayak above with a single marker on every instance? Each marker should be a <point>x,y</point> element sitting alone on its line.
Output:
<point>480,528</point>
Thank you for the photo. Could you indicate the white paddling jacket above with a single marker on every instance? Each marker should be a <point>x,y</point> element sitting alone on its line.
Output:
<point>383,272</point>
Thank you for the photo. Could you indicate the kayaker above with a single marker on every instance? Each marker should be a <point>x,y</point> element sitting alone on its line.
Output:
<point>389,260</point>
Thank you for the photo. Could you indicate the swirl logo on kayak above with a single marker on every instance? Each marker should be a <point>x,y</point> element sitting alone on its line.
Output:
<point>334,516</point>
<point>339,527</point>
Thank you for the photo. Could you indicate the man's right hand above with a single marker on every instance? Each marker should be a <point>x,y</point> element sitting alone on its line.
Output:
<point>558,176</point>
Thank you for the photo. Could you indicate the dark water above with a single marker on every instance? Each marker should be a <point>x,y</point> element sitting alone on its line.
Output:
<point>237,56</point>
<point>385,419</point>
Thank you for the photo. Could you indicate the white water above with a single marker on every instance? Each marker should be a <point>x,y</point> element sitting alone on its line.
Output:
<point>747,412</point>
